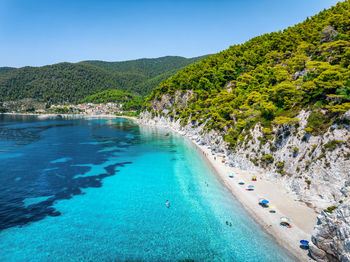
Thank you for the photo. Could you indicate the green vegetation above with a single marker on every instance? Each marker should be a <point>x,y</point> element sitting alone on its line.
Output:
<point>268,159</point>
<point>318,123</point>
<point>269,79</point>
<point>5,69</point>
<point>148,67</point>
<point>330,209</point>
<point>70,83</point>
<point>129,101</point>
<point>332,144</point>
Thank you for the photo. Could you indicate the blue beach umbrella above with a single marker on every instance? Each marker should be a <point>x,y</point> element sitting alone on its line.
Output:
<point>250,186</point>
<point>304,242</point>
<point>265,201</point>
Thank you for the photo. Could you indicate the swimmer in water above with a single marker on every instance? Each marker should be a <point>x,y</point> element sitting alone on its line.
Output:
<point>167,204</point>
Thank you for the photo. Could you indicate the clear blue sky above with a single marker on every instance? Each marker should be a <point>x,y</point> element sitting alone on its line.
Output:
<point>39,32</point>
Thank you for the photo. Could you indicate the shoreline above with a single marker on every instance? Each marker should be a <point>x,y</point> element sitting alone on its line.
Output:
<point>303,218</point>
<point>70,115</point>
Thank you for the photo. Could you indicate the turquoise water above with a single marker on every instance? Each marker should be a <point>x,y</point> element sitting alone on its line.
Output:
<point>95,190</point>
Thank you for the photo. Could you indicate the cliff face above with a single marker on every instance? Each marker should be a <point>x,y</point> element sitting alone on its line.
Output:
<point>315,167</point>
<point>331,236</point>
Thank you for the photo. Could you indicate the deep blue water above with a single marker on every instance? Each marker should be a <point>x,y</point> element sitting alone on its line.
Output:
<point>95,190</point>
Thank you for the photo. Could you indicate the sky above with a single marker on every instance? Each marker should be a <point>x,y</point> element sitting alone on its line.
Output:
<point>41,32</point>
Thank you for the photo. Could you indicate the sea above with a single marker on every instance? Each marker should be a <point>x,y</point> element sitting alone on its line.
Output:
<point>95,189</point>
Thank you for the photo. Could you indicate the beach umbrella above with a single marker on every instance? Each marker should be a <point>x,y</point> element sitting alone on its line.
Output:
<point>304,242</point>
<point>250,186</point>
<point>285,219</point>
<point>265,201</point>
<point>241,183</point>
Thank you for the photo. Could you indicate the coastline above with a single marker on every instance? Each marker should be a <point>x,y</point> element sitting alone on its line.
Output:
<point>302,217</point>
<point>70,115</point>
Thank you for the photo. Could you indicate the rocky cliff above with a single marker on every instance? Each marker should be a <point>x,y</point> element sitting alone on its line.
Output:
<point>331,236</point>
<point>315,167</point>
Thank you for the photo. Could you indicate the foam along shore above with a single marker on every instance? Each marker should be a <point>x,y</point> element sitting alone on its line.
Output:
<point>302,218</point>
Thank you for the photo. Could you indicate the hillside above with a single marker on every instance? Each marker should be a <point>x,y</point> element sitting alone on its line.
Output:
<point>6,69</point>
<point>269,79</point>
<point>64,82</point>
<point>72,82</point>
<point>278,104</point>
<point>155,70</point>
<point>149,67</point>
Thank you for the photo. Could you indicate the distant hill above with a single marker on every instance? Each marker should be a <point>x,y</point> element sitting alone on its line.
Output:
<point>64,82</point>
<point>149,67</point>
<point>72,82</point>
<point>6,69</point>
<point>154,69</point>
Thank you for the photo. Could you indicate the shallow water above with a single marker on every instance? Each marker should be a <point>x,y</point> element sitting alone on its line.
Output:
<point>95,190</point>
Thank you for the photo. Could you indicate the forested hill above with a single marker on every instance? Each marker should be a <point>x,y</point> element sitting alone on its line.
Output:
<point>154,69</point>
<point>64,82</point>
<point>72,82</point>
<point>6,69</point>
<point>268,79</point>
<point>149,67</point>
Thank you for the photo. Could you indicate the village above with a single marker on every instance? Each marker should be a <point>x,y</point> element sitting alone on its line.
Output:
<point>86,108</point>
<point>41,108</point>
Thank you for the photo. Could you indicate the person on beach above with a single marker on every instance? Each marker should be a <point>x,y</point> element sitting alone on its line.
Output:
<point>167,204</point>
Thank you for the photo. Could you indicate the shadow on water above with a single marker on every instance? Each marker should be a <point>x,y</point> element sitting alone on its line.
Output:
<point>36,173</point>
<point>12,214</point>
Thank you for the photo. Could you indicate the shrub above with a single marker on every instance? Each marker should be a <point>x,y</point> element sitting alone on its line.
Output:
<point>318,123</point>
<point>332,144</point>
<point>330,209</point>
<point>267,159</point>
